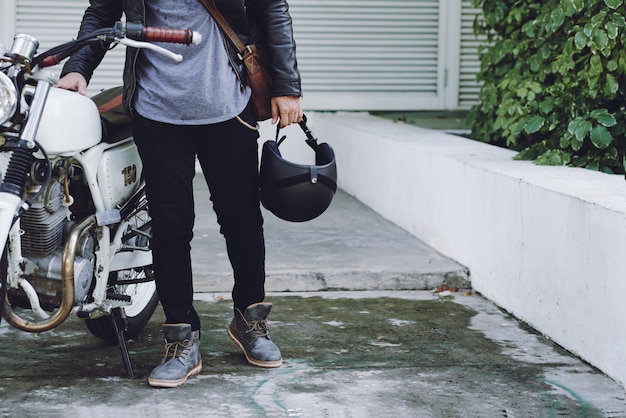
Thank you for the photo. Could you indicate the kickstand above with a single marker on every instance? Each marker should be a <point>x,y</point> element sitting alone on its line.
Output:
<point>119,323</point>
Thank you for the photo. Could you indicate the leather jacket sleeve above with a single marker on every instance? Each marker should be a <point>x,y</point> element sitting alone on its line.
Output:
<point>99,14</point>
<point>273,24</point>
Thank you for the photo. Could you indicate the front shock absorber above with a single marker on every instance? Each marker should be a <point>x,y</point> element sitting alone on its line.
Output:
<point>11,191</point>
<point>17,171</point>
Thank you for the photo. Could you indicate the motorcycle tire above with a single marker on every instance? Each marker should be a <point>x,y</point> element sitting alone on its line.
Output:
<point>3,283</point>
<point>145,301</point>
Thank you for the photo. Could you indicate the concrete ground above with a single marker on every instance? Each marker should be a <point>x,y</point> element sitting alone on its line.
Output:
<point>361,331</point>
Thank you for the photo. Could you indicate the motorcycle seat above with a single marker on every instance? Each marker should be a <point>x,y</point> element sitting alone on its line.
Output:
<point>116,123</point>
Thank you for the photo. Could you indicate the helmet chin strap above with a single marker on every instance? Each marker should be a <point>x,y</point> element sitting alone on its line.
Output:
<point>311,140</point>
<point>279,141</point>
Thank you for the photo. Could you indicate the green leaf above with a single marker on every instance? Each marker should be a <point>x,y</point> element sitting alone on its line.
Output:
<point>531,152</point>
<point>529,29</point>
<point>557,17</point>
<point>579,127</point>
<point>536,87</point>
<point>595,65</point>
<point>568,7</point>
<point>611,30</point>
<point>619,20</point>
<point>622,63</point>
<point>613,4</point>
<point>518,128</point>
<point>577,144</point>
<point>501,10</point>
<point>600,39</point>
<point>603,117</point>
<point>593,165</point>
<point>552,157</point>
<point>601,137</point>
<point>525,155</point>
<point>534,124</point>
<point>546,105</point>
<point>593,81</point>
<point>535,63</point>
<point>612,85</point>
<point>598,17</point>
<point>580,40</point>
<point>578,5</point>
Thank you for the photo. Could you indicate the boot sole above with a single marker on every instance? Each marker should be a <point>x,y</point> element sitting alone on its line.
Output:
<point>252,360</point>
<point>160,383</point>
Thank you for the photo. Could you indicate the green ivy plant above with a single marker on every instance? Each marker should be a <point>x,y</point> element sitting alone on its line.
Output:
<point>553,77</point>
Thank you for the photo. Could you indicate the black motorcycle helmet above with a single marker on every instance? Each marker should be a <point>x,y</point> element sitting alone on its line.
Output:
<point>297,192</point>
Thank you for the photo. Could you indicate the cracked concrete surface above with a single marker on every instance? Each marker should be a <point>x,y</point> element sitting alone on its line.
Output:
<point>384,348</point>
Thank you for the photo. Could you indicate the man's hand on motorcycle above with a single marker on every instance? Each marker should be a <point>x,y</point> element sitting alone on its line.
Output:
<point>74,82</point>
<point>286,108</point>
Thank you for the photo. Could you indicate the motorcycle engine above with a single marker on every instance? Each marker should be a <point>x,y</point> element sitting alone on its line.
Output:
<point>44,226</point>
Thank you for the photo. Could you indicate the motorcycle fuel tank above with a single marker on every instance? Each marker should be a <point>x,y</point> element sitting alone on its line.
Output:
<point>70,123</point>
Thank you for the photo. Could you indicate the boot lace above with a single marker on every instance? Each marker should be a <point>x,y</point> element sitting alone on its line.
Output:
<point>177,349</point>
<point>259,328</point>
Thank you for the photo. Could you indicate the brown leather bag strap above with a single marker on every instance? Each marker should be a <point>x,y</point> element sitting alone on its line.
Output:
<point>223,24</point>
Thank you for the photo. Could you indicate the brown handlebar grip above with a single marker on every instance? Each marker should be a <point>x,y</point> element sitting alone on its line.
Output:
<point>49,61</point>
<point>179,36</point>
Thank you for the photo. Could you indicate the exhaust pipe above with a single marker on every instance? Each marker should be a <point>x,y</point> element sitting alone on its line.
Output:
<point>67,286</point>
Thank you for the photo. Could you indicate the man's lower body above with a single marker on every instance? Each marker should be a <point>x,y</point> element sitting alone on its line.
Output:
<point>228,155</point>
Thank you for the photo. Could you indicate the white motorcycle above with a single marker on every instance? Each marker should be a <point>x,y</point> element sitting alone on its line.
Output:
<point>74,224</point>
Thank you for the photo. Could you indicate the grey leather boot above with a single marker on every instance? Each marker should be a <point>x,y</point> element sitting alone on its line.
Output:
<point>250,332</point>
<point>182,357</point>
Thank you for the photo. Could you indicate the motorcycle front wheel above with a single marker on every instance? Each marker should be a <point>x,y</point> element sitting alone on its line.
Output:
<point>3,283</point>
<point>144,302</point>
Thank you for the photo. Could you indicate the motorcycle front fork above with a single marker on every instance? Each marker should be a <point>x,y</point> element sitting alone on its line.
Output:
<point>18,169</point>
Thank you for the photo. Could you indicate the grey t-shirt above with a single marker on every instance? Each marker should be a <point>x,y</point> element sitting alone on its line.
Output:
<point>203,88</point>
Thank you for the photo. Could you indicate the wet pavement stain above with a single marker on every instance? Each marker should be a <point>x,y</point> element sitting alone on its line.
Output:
<point>358,357</point>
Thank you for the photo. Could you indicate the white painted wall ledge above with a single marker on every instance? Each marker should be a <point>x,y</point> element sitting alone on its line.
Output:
<point>548,244</point>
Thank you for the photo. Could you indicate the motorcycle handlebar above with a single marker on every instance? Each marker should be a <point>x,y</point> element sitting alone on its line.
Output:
<point>49,61</point>
<point>132,34</point>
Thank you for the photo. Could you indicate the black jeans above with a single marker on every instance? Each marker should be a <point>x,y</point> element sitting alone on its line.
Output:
<point>228,155</point>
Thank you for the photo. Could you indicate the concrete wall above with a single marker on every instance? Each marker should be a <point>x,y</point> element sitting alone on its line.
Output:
<point>547,244</point>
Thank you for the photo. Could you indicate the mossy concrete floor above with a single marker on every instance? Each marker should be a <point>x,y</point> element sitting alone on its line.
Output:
<point>346,354</point>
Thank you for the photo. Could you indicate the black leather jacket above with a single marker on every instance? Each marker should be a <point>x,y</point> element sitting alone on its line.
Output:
<point>253,20</point>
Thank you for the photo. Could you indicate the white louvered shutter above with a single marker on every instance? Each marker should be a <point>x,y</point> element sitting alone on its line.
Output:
<point>55,22</point>
<point>353,54</point>
<point>369,54</point>
<point>469,62</point>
